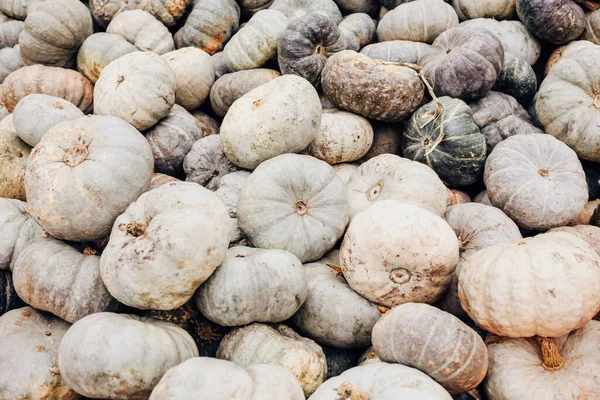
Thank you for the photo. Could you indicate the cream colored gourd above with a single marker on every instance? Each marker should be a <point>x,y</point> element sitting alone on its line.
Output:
<point>281,116</point>
<point>381,380</point>
<point>297,8</point>
<point>29,343</point>
<point>121,356</point>
<point>564,51</point>
<point>210,378</point>
<point>589,233</point>
<point>253,285</point>
<point>390,177</point>
<point>10,61</point>
<point>255,43</point>
<point>497,9</point>
<point>417,21</point>
<point>142,30</point>
<point>138,87</point>
<point>148,263</point>
<point>556,271</point>
<point>229,192</point>
<point>536,180</point>
<point>99,50</point>
<point>391,249</point>
<point>437,343</point>
<point>259,343</point>
<point>194,75</point>
<point>14,154</point>
<point>294,203</point>
<point>342,137</point>
<point>345,170</point>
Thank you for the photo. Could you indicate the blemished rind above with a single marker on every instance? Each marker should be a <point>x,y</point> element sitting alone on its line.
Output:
<point>166,11</point>
<point>294,9</point>
<point>14,154</point>
<point>517,79</point>
<point>99,50</point>
<point>143,31</point>
<point>433,341</point>
<point>554,268</point>
<point>121,356</point>
<point>359,84</point>
<point>358,29</point>
<point>564,51</point>
<point>556,21</point>
<point>206,164</point>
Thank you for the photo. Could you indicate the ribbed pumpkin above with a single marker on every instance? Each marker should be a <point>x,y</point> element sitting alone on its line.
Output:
<point>166,11</point>
<point>498,9</point>
<point>298,8</point>
<point>251,7</point>
<point>9,33</point>
<point>397,51</point>
<point>517,79</point>
<point>143,31</point>
<point>14,154</point>
<point>206,163</point>
<point>564,51</point>
<point>16,8</point>
<point>556,21</point>
<point>592,28</point>
<point>10,61</point>
<point>358,29</point>
<point>99,50</point>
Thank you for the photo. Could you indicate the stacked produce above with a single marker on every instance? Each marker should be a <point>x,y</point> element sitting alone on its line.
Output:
<point>299,199</point>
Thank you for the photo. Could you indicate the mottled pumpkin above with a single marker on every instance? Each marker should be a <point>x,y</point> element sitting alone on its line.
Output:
<point>143,31</point>
<point>556,21</point>
<point>298,8</point>
<point>99,50</point>
<point>402,51</point>
<point>10,61</point>
<point>166,11</point>
<point>206,163</point>
<point>517,79</point>
<point>14,154</point>
<point>358,29</point>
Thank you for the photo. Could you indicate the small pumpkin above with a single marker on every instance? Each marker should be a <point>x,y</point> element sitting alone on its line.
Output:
<point>256,43</point>
<point>422,336</point>
<point>279,344</point>
<point>207,124</point>
<point>448,141</point>
<point>206,163</point>
<point>298,8</point>
<point>402,51</point>
<point>358,29</point>
<point>106,355</point>
<point>230,87</point>
<point>10,61</point>
<point>142,30</point>
<point>497,9</point>
<point>64,83</point>
<point>16,8</point>
<point>209,25</point>
<point>417,21</point>
<point>517,79</point>
<point>556,21</point>
<point>251,7</point>
<point>130,74</point>
<point>281,116</point>
<point>14,154</point>
<point>457,197</point>
<point>536,180</point>
<point>564,51</point>
<point>356,83</point>
<point>389,177</point>
<point>229,192</point>
<point>387,139</point>
<point>86,208</point>
<point>276,290</point>
<point>99,50</point>
<point>35,114</point>
<point>219,62</point>
<point>9,33</point>
<point>306,44</point>
<point>29,342</point>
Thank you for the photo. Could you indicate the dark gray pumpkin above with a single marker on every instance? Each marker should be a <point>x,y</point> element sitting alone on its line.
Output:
<point>464,62</point>
<point>397,51</point>
<point>206,163</point>
<point>306,44</point>
<point>339,360</point>
<point>251,7</point>
<point>517,79</point>
<point>370,7</point>
<point>458,155</point>
<point>8,296</point>
<point>556,21</point>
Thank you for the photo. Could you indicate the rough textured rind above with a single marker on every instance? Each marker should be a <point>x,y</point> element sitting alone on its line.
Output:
<point>358,29</point>
<point>121,356</point>
<point>159,179</point>
<point>143,31</point>
<point>561,278</point>
<point>53,276</point>
<point>463,62</point>
<point>207,124</point>
<point>84,173</point>
<point>259,343</point>
<point>206,164</point>
<point>437,343</point>
<point>498,9</point>
<point>14,154</point>
<point>147,263</point>
<point>99,50</point>
<point>281,116</point>
<point>564,51</point>
<point>194,75</point>
<point>589,233</point>
<point>298,8</point>
<point>253,285</point>
<point>138,87</point>
<point>29,343</point>
<point>556,21</point>
<point>402,51</point>
<point>536,180</point>
<point>166,11</point>
<point>306,44</point>
<point>517,79</point>
<point>294,203</point>
<point>417,21</point>
<point>209,25</point>
<point>209,378</point>
<point>412,261</point>
<point>389,177</point>
<point>230,87</point>
<point>356,83</point>
<point>10,61</point>
<point>171,139</point>
<point>459,155</point>
<point>65,83</point>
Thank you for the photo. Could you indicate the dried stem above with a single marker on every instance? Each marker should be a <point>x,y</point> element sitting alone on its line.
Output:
<point>590,5</point>
<point>349,391</point>
<point>553,360</point>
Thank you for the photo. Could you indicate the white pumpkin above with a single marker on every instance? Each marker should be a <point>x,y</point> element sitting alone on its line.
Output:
<point>229,192</point>
<point>497,9</point>
<point>345,170</point>
<point>141,29</point>
<point>395,253</point>
<point>564,51</point>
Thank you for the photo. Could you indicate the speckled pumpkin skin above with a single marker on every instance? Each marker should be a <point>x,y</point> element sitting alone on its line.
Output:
<point>556,21</point>
<point>14,154</point>
<point>517,79</point>
<point>359,84</point>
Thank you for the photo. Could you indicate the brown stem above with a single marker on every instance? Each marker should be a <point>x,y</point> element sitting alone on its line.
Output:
<point>136,228</point>
<point>590,5</point>
<point>382,309</point>
<point>553,360</point>
<point>336,269</point>
<point>349,391</point>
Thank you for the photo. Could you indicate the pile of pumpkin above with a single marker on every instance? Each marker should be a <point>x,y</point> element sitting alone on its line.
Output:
<point>271,199</point>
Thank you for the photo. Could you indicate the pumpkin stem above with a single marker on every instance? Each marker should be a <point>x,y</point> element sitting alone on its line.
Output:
<point>75,155</point>
<point>136,228</point>
<point>88,251</point>
<point>590,5</point>
<point>553,360</point>
<point>382,309</point>
<point>336,269</point>
<point>349,391</point>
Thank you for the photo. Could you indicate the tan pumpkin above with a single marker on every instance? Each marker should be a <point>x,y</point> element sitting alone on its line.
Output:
<point>14,154</point>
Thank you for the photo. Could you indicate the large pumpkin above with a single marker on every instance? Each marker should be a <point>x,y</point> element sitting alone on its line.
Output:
<point>294,203</point>
<point>206,163</point>
<point>154,235</point>
<point>143,31</point>
<point>306,44</point>
<point>54,31</point>
<point>556,21</point>
<point>376,260</point>
<point>447,140</point>
<point>298,8</point>
<point>14,154</point>
<point>359,84</point>
<point>417,21</point>
<point>84,173</point>
<point>402,51</point>
<point>424,337</point>
<point>281,116</point>
<point>568,104</point>
<point>99,50</point>
<point>556,271</point>
<point>389,177</point>
<point>498,9</point>
<point>210,378</point>
<point>107,355</point>
<point>463,62</point>
<point>536,180</point>
<point>358,29</point>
